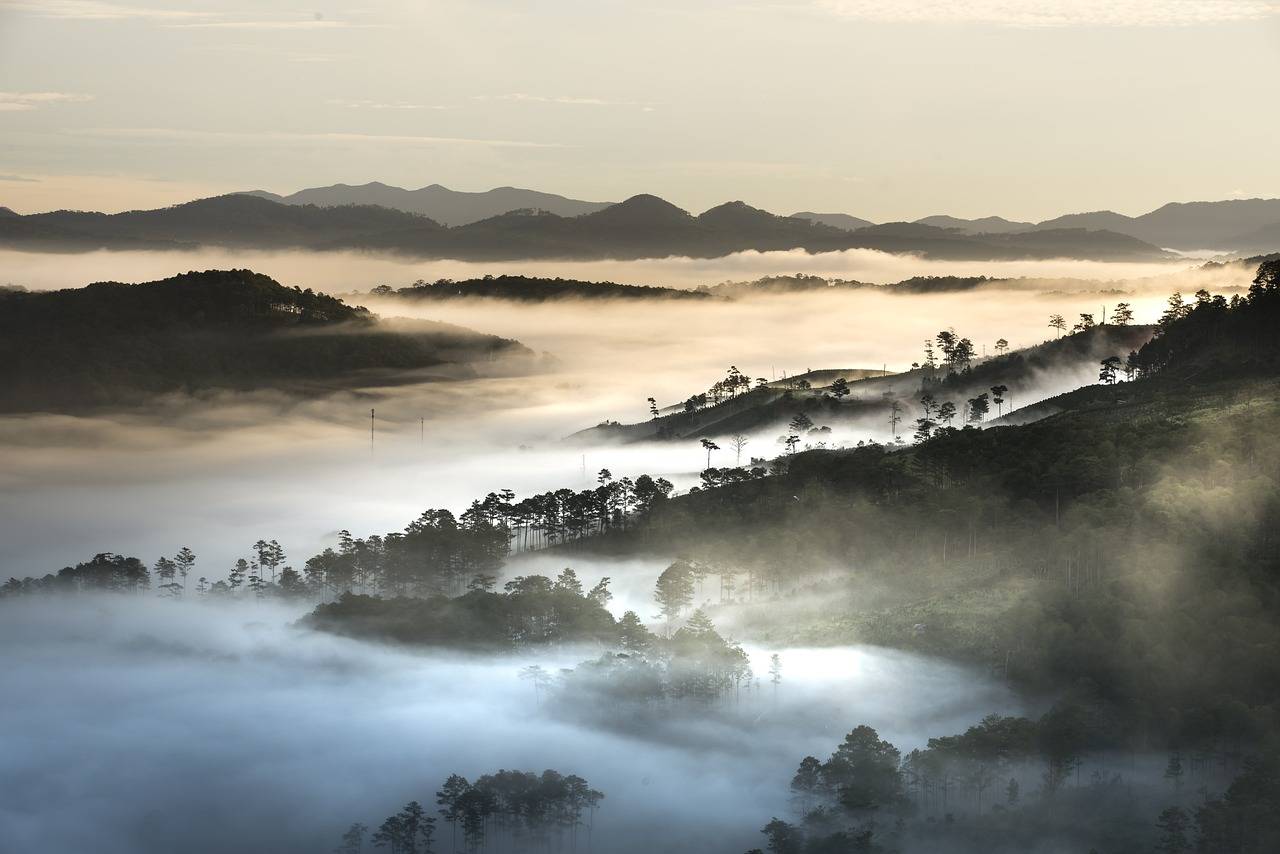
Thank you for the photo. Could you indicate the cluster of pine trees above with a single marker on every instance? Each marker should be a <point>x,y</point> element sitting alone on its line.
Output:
<point>503,811</point>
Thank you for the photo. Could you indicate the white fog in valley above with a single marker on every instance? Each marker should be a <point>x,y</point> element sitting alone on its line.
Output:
<point>153,727</point>
<point>220,472</point>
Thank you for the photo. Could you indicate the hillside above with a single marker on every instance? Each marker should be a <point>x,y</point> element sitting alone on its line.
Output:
<point>445,206</point>
<point>1028,375</point>
<point>1117,555</point>
<point>111,344</point>
<point>641,227</point>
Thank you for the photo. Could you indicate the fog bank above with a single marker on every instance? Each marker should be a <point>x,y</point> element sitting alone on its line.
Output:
<point>140,726</point>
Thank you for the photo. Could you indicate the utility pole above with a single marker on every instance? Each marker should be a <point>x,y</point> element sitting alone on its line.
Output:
<point>371,414</point>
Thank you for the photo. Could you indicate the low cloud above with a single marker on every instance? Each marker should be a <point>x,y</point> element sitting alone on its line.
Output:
<point>527,98</point>
<point>17,102</point>
<point>361,104</point>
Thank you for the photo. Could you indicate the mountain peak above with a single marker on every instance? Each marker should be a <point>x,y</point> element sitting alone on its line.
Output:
<point>643,209</point>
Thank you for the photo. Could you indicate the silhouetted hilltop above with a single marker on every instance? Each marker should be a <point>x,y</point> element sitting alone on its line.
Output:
<point>982,225</point>
<point>445,206</point>
<point>114,344</point>
<point>835,220</point>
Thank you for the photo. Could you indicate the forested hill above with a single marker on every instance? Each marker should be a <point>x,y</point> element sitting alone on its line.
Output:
<point>531,289</point>
<point>1121,553</point>
<point>113,344</point>
<point>864,399</point>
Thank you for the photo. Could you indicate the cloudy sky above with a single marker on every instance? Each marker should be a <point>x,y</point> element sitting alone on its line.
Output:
<point>887,109</point>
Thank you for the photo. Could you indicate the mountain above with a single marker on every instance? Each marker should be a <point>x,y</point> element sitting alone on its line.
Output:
<point>983,225</point>
<point>1228,225</point>
<point>643,226</point>
<point>835,220</point>
<point>1265,239</point>
<point>116,345</point>
<point>445,206</point>
<point>1233,225</point>
<point>7,212</point>
<point>234,220</point>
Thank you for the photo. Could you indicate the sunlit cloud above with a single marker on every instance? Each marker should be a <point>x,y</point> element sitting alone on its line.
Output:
<point>16,102</point>
<point>19,179</point>
<point>1054,13</point>
<point>281,136</point>
<point>527,98</point>
<point>360,104</point>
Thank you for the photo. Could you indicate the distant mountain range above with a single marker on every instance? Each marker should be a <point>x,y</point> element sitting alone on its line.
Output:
<point>641,227</point>
<point>445,206</point>
<point>1239,225</point>
<point>1236,225</point>
<point>512,223</point>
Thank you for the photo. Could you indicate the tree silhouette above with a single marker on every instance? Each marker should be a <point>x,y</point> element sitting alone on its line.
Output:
<point>674,590</point>
<point>978,408</point>
<point>1058,322</point>
<point>997,397</point>
<point>186,561</point>
<point>540,679</point>
<point>1122,315</point>
<point>1171,832</point>
<point>709,446</point>
<point>1108,369</point>
<point>352,840</point>
<point>801,423</point>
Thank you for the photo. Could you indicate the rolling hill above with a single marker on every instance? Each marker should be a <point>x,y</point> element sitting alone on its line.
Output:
<point>117,345</point>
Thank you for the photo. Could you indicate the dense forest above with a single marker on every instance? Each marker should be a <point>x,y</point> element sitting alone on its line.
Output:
<point>113,344</point>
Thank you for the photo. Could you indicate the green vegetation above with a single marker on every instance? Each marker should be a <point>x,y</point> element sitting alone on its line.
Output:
<point>112,344</point>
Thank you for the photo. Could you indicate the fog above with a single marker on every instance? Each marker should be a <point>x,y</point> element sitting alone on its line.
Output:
<point>138,726</point>
<point>219,472</point>
<point>344,271</point>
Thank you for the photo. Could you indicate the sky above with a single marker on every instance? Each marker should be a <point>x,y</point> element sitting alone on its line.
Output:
<point>886,109</point>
